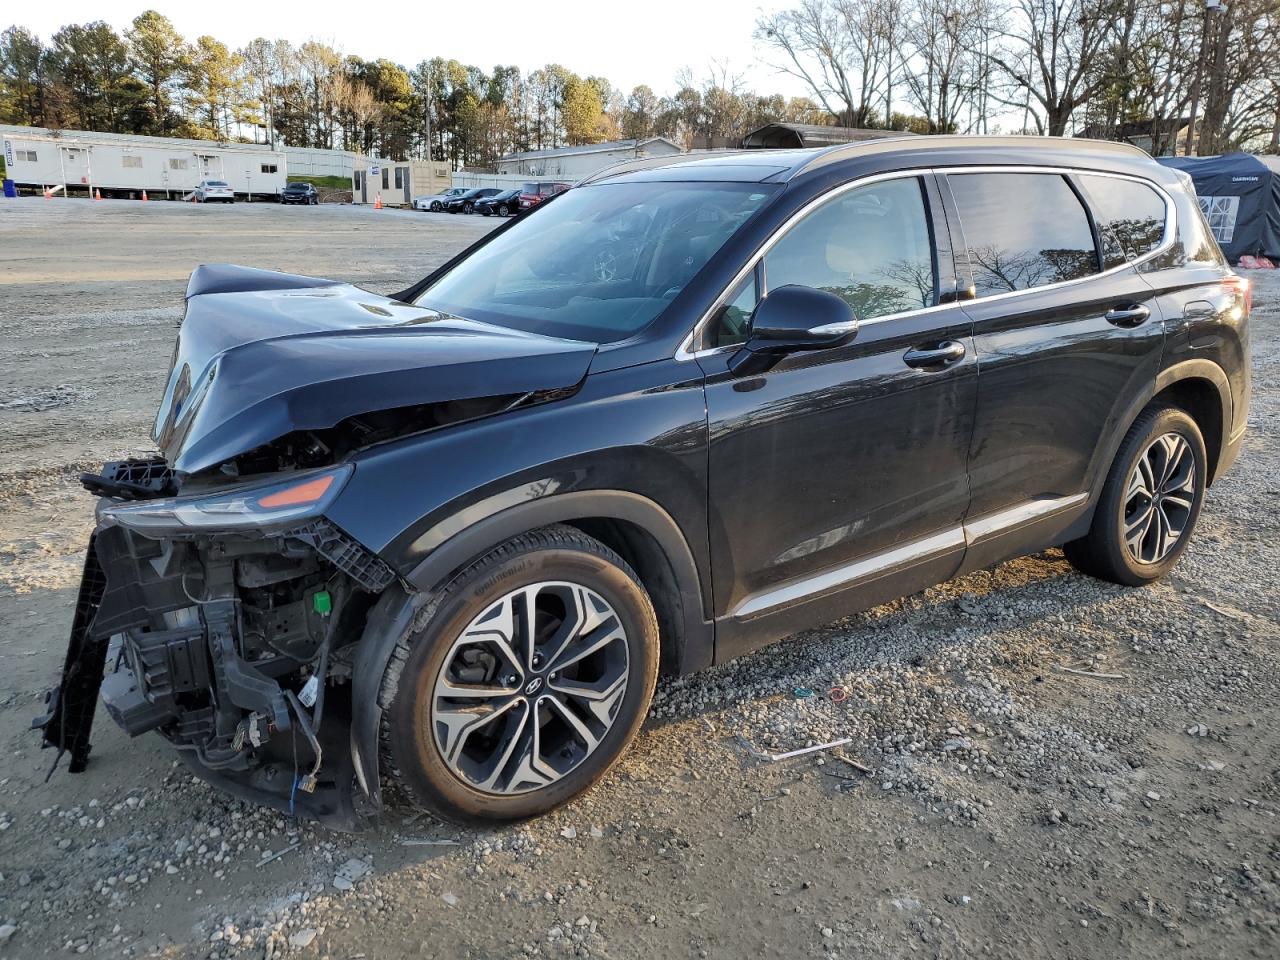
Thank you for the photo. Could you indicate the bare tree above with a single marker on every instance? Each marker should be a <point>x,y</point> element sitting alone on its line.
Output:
<point>945,41</point>
<point>839,50</point>
<point>1050,53</point>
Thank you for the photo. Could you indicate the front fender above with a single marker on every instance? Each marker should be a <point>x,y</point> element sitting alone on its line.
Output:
<point>457,543</point>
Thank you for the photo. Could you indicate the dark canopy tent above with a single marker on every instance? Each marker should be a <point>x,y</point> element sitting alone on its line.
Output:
<point>1240,196</point>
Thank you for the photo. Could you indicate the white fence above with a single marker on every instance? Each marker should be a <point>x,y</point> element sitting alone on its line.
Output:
<point>503,181</point>
<point>315,162</point>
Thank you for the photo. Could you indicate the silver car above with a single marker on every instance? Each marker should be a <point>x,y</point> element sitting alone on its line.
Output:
<point>213,191</point>
<point>436,202</point>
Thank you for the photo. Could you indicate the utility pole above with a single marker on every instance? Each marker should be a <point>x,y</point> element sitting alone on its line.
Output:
<point>1210,7</point>
<point>431,104</point>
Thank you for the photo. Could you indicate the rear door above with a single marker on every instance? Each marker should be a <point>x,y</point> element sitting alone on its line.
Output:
<point>1067,337</point>
<point>837,477</point>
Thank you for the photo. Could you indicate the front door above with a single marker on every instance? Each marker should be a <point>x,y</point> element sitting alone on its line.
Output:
<point>1069,337</point>
<point>838,477</point>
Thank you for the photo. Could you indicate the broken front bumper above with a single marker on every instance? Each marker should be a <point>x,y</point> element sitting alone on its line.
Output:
<point>209,638</point>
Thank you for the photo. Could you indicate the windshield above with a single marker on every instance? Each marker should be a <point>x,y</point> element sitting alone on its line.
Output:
<point>601,262</point>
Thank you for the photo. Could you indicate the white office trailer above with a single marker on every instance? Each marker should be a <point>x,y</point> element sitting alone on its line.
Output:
<point>573,163</point>
<point>397,182</point>
<point>78,162</point>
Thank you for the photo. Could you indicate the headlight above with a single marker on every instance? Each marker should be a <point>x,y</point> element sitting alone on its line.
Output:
<point>301,496</point>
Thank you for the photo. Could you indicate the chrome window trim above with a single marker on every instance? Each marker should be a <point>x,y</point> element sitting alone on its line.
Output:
<point>686,352</point>
<point>1170,223</point>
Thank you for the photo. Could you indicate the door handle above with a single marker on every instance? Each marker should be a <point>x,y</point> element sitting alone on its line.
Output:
<point>1130,316</point>
<point>942,355</point>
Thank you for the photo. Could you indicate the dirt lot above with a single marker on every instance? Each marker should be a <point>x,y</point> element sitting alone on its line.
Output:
<point>1013,808</point>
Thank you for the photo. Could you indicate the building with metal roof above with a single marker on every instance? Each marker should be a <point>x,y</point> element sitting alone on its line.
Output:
<point>774,136</point>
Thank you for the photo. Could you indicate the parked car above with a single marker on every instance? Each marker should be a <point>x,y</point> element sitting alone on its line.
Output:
<point>684,411</point>
<point>532,194</point>
<point>300,192</point>
<point>466,202</point>
<point>503,204</point>
<point>435,203</point>
<point>213,191</point>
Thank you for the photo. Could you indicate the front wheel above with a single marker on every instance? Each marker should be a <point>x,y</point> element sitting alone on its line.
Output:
<point>522,683</point>
<point>502,209</point>
<point>435,206</point>
<point>1150,502</point>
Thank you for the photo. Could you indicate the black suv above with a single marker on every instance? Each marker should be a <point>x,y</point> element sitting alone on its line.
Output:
<point>450,538</point>
<point>466,202</point>
<point>300,191</point>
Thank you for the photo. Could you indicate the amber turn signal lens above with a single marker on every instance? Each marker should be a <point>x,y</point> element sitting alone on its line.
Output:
<point>308,492</point>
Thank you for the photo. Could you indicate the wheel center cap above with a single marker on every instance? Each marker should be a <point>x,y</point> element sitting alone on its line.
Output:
<point>533,686</point>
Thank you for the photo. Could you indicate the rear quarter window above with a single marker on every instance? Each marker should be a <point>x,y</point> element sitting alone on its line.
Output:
<point>1023,230</point>
<point>1130,215</point>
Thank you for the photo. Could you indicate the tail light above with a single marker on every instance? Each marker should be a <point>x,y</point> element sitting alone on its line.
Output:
<point>1243,291</point>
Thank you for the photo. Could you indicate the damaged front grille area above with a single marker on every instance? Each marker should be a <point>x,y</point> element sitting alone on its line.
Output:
<point>222,643</point>
<point>132,479</point>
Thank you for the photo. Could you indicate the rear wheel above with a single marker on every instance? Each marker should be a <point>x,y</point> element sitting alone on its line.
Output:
<point>1150,502</point>
<point>523,682</point>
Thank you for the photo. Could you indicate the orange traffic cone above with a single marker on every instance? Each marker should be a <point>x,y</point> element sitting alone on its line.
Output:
<point>377,201</point>
<point>97,194</point>
<point>144,196</point>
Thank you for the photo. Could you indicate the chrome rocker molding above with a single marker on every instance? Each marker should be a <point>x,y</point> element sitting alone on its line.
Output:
<point>907,555</point>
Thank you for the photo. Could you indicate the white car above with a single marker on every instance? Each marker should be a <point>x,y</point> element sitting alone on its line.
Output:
<point>436,202</point>
<point>213,191</point>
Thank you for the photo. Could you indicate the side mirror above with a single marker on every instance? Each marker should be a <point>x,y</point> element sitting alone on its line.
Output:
<point>790,319</point>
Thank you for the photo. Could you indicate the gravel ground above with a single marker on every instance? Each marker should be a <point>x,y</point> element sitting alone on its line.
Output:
<point>990,802</point>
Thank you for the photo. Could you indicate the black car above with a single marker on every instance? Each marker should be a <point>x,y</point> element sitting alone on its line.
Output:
<point>506,203</point>
<point>298,192</point>
<point>450,538</point>
<point>466,202</point>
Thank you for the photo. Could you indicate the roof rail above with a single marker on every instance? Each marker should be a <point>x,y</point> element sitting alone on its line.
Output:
<point>870,148</point>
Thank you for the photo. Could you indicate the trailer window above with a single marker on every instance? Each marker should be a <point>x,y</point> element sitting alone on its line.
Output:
<point>131,162</point>
<point>177,164</point>
<point>385,171</point>
<point>27,155</point>
<point>269,168</point>
<point>399,178</point>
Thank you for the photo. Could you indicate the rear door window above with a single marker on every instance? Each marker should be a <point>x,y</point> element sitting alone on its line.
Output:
<point>1130,217</point>
<point>1023,230</point>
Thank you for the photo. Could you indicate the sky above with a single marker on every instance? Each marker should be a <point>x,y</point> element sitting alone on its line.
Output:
<point>646,42</point>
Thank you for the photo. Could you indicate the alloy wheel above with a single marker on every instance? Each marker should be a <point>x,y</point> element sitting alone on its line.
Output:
<point>530,688</point>
<point>1160,497</point>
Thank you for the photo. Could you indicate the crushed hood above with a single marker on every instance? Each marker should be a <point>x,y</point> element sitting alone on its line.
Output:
<point>262,354</point>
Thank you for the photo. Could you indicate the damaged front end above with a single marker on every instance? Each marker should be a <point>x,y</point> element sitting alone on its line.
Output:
<point>225,620</point>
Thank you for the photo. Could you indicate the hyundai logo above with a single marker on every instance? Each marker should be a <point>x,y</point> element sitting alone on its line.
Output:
<point>533,686</point>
